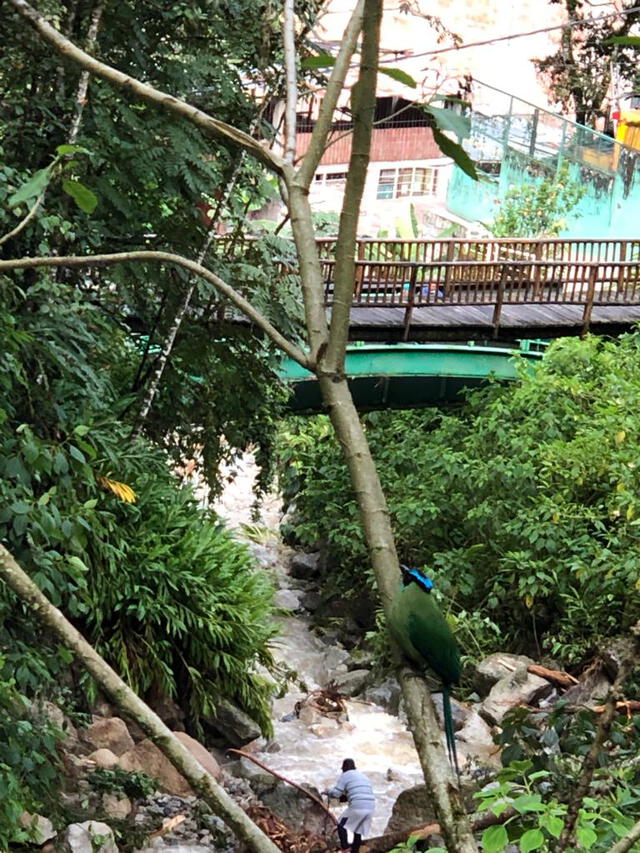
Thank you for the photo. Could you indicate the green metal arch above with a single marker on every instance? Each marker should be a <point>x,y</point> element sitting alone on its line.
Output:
<point>401,376</point>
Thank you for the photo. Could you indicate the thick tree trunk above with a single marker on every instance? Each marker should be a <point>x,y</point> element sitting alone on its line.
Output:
<point>132,706</point>
<point>376,524</point>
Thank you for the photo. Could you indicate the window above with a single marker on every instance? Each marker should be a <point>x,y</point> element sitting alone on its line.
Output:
<point>330,177</point>
<point>408,181</point>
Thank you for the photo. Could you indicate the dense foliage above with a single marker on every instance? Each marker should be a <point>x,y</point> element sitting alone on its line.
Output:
<point>523,505</point>
<point>542,755</point>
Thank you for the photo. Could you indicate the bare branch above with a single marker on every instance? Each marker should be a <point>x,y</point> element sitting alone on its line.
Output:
<point>363,101</point>
<point>83,84</point>
<point>335,85</point>
<point>27,219</point>
<point>127,701</point>
<point>147,93</point>
<point>289,37</point>
<point>167,257</point>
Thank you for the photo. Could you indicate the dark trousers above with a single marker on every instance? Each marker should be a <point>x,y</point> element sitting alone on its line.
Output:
<point>344,838</point>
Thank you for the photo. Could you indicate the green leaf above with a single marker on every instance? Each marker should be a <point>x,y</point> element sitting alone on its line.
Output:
<point>399,75</point>
<point>321,60</point>
<point>85,198</point>
<point>65,150</point>
<point>586,836</point>
<point>552,824</point>
<point>457,153</point>
<point>494,839</point>
<point>528,803</point>
<point>629,41</point>
<point>449,120</point>
<point>32,188</point>
<point>532,839</point>
<point>81,429</point>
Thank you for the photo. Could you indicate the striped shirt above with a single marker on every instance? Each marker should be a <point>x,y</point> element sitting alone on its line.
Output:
<point>357,788</point>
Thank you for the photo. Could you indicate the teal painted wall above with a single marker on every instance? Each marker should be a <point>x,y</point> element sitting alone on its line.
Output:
<point>609,208</point>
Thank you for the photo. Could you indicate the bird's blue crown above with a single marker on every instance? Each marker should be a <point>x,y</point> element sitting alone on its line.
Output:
<point>416,576</point>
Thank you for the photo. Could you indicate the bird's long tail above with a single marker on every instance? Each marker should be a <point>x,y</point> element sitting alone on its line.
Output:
<point>448,728</point>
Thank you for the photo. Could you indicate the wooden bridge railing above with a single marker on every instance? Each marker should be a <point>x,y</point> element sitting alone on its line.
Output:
<point>411,274</point>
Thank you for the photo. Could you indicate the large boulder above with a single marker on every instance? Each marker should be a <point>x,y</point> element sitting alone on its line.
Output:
<point>614,653</point>
<point>459,712</point>
<point>305,566</point>
<point>233,724</point>
<point>288,599</point>
<point>386,695</point>
<point>353,682</point>
<point>494,667</point>
<point>108,733</point>
<point>292,806</point>
<point>200,754</point>
<point>92,836</point>
<point>475,742</point>
<point>414,807</point>
<point>115,807</point>
<point>518,688</point>
<point>145,757</point>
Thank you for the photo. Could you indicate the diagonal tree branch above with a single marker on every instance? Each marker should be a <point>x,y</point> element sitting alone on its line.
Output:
<point>333,90</point>
<point>147,93</point>
<point>627,841</point>
<point>169,258</point>
<point>128,702</point>
<point>27,219</point>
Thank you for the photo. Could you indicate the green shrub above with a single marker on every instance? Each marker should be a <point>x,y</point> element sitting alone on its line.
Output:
<point>523,506</point>
<point>29,764</point>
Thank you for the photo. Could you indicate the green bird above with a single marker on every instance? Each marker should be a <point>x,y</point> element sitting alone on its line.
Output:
<point>423,634</point>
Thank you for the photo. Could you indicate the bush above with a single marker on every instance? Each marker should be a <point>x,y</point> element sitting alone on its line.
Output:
<point>523,505</point>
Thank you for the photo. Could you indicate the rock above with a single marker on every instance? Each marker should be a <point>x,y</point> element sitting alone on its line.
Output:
<point>146,756</point>
<point>116,807</point>
<point>591,689</point>
<point>310,715</point>
<point>294,807</point>
<point>305,566</point>
<point>413,808</point>
<point>41,827</point>
<point>288,599</point>
<point>386,695</point>
<point>518,688</point>
<point>236,727</point>
<point>475,742</point>
<point>56,716</point>
<point>311,600</point>
<point>335,657</point>
<point>92,836</point>
<point>104,758</point>
<point>353,682</point>
<point>494,667</point>
<point>200,754</point>
<point>108,733</point>
<point>617,650</point>
<point>459,712</point>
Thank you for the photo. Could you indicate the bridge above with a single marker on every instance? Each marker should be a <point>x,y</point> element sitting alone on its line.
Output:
<point>489,289</point>
<point>403,376</point>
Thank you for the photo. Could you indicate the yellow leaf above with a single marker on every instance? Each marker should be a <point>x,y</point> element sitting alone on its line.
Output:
<point>631,511</point>
<point>620,487</point>
<point>620,436</point>
<point>555,516</point>
<point>638,584</point>
<point>120,490</point>
<point>528,600</point>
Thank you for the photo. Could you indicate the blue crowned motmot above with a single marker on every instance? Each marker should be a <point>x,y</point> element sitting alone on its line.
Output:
<point>423,634</point>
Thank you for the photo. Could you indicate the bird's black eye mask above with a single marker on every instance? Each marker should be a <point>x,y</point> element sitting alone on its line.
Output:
<point>415,576</point>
